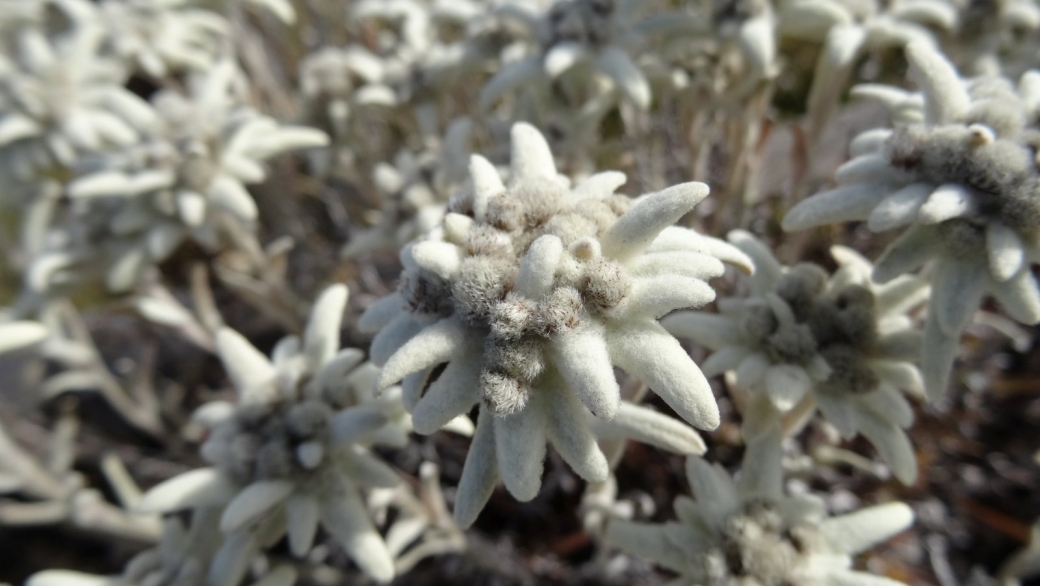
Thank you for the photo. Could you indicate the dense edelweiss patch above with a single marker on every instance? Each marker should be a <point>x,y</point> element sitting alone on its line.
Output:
<point>190,553</point>
<point>187,178</point>
<point>749,533</point>
<point>531,294</point>
<point>293,445</point>
<point>337,81</point>
<point>837,342</point>
<point>60,98</point>
<point>571,33</point>
<point>959,172</point>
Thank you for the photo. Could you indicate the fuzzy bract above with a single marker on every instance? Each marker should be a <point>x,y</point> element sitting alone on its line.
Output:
<point>958,174</point>
<point>527,297</point>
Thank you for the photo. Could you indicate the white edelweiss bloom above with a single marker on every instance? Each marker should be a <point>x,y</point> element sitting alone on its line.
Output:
<point>531,293</point>
<point>196,554</point>
<point>840,343</point>
<point>415,190</point>
<point>958,173</point>
<point>579,36</point>
<point>293,447</point>
<point>15,335</point>
<point>60,98</point>
<point>749,532</point>
<point>186,179</point>
<point>161,37</point>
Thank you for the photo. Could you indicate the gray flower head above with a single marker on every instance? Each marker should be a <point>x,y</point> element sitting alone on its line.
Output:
<point>838,342</point>
<point>292,447</point>
<point>132,208</point>
<point>580,35</point>
<point>959,174</point>
<point>531,294</point>
<point>749,533</point>
<point>60,98</point>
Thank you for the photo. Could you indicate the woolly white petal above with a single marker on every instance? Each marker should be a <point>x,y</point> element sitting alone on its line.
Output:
<point>520,450</point>
<point>726,359</point>
<point>646,540</point>
<point>859,531</point>
<point>486,184</point>
<point>649,353</point>
<point>345,518</point>
<point>714,490</point>
<point>452,394</point>
<point>572,438</point>
<point>751,370</point>
<point>229,193</point>
<point>767,269</point>
<point>872,168</point>
<point>197,488</point>
<point>901,375</point>
<point>647,426</point>
<point>378,315</point>
<point>510,76</point>
<point>847,203</point>
<point>280,576</point>
<point>563,56</point>
<point>1019,296</point>
<point>899,209</point>
<point>618,66</point>
<point>479,473</point>
<point>840,577</point>
<point>1006,251</point>
<point>247,367</point>
<point>350,425</point>
<point>433,345</point>
<point>390,338</point>
<point>957,290</point>
<point>254,500</point>
<point>869,141</point>
<point>694,265</point>
<point>529,155</point>
<point>948,201</point>
<point>105,183</point>
<point>888,403</point>
<point>301,515</point>
<point>761,472</point>
<point>786,384</point>
<point>891,442</point>
<point>538,267</point>
<point>231,561</point>
<point>440,258</point>
<point>15,127</point>
<point>20,334</point>
<point>584,362</point>
<point>938,352</point>
<point>321,338</point>
<point>757,37</point>
<point>707,329</point>
<point>69,578</point>
<point>946,98</point>
<point>838,412</point>
<point>599,185</point>
<point>911,250</point>
<point>640,225</point>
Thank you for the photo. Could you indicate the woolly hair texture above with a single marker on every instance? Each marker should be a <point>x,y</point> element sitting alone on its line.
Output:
<point>807,340</point>
<point>748,532</point>
<point>958,175</point>
<point>529,295</point>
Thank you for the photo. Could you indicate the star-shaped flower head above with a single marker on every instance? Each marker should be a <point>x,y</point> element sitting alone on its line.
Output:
<point>288,449</point>
<point>133,207</point>
<point>959,174</point>
<point>749,533</point>
<point>61,98</point>
<point>840,343</point>
<point>163,37</point>
<point>530,294</point>
<point>190,553</point>
<point>576,35</point>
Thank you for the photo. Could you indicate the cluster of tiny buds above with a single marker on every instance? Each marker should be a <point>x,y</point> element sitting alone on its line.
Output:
<point>581,21</point>
<point>805,320</point>
<point>272,440</point>
<point>755,550</point>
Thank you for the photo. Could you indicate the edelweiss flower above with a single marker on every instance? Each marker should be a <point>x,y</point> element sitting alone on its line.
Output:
<point>748,533</point>
<point>61,99</point>
<point>162,36</point>
<point>337,81</point>
<point>579,35</point>
<point>840,343</point>
<point>959,173</point>
<point>186,180</point>
<point>534,293</point>
<point>194,555</point>
<point>289,447</point>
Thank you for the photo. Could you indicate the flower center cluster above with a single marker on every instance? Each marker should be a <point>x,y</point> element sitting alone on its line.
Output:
<point>754,550</point>
<point>838,325</point>
<point>485,296</point>
<point>581,21</point>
